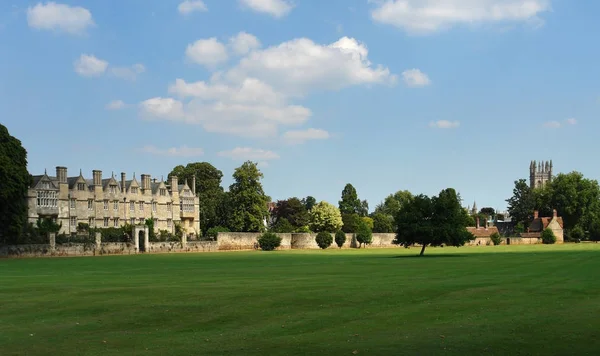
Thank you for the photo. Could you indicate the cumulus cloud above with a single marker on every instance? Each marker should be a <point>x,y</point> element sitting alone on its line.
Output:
<point>301,136</point>
<point>207,52</point>
<point>243,43</point>
<point>187,7</point>
<point>444,124</point>
<point>182,151</point>
<point>247,153</point>
<point>165,108</point>
<point>426,17</point>
<point>51,16</point>
<point>415,78</point>
<point>90,66</point>
<point>128,73</point>
<point>275,8</point>
<point>115,105</point>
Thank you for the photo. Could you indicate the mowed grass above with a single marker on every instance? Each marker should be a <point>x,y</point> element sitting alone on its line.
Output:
<point>505,300</point>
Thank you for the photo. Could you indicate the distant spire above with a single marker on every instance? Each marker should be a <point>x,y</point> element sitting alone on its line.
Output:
<point>80,172</point>
<point>45,171</point>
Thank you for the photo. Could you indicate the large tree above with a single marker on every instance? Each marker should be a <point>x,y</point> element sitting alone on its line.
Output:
<point>393,202</point>
<point>576,199</point>
<point>247,203</point>
<point>15,180</point>
<point>325,217</point>
<point>309,202</point>
<point>208,188</point>
<point>292,210</point>
<point>433,221</point>
<point>351,204</point>
<point>522,203</point>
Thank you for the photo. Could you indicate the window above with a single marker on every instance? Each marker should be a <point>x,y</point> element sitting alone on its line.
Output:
<point>187,205</point>
<point>105,222</point>
<point>91,222</point>
<point>141,206</point>
<point>169,207</point>
<point>73,203</point>
<point>132,221</point>
<point>73,220</point>
<point>45,185</point>
<point>163,192</point>
<point>47,199</point>
<point>113,189</point>
<point>169,223</point>
<point>116,205</point>
<point>80,186</point>
<point>154,206</point>
<point>90,204</point>
<point>106,205</point>
<point>134,190</point>
<point>116,222</point>
<point>132,205</point>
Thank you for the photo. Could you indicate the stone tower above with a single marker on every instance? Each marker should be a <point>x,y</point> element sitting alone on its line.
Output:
<point>540,173</point>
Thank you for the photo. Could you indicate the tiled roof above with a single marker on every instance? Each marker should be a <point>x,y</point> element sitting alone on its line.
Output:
<point>539,224</point>
<point>482,231</point>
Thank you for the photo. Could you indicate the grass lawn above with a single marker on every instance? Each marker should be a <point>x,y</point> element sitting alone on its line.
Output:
<point>504,300</point>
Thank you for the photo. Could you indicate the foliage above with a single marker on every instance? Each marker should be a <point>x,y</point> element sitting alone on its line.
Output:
<point>113,234</point>
<point>577,199</point>
<point>151,234</point>
<point>283,226</point>
<point>364,234</point>
<point>269,241</point>
<point>577,234</point>
<point>309,202</point>
<point>433,221</point>
<point>325,217</point>
<point>496,239</point>
<point>167,236</point>
<point>350,222</point>
<point>292,210</point>
<point>247,204</point>
<point>303,229</point>
<point>520,228</point>
<point>522,203</point>
<point>208,188</point>
<point>369,221</point>
<point>595,231</point>
<point>45,225</point>
<point>383,223</point>
<point>15,181</point>
<point>214,231</point>
<point>340,238</point>
<point>393,202</point>
<point>548,237</point>
<point>489,212</point>
<point>350,204</point>
<point>324,239</point>
<point>86,239</point>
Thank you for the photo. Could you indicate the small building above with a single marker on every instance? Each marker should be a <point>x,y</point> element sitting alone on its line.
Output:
<point>539,224</point>
<point>482,233</point>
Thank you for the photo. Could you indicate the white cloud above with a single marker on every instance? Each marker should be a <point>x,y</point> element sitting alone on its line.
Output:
<point>60,18</point>
<point>429,16</point>
<point>115,105</point>
<point>207,52</point>
<point>243,43</point>
<point>275,8</point>
<point>165,108</point>
<point>301,136</point>
<point>182,151</point>
<point>188,7</point>
<point>444,124</point>
<point>552,124</point>
<point>572,121</point>
<point>90,66</point>
<point>128,73</point>
<point>415,78</point>
<point>247,153</point>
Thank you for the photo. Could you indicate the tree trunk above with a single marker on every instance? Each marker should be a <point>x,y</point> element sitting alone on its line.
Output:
<point>423,250</point>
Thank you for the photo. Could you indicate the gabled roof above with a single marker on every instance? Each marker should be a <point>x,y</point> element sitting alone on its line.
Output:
<point>540,224</point>
<point>482,232</point>
<point>44,177</point>
<point>106,182</point>
<point>154,186</point>
<point>72,181</point>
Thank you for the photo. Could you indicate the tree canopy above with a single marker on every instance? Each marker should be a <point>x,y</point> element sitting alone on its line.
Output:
<point>15,181</point>
<point>293,210</point>
<point>522,203</point>
<point>325,217</point>
<point>351,204</point>
<point>309,202</point>
<point>246,203</point>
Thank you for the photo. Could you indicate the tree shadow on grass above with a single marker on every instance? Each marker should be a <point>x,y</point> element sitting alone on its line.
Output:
<point>445,255</point>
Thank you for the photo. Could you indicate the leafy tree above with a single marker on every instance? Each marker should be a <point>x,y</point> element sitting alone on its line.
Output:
<point>577,234</point>
<point>496,239</point>
<point>433,221</point>
<point>595,231</point>
<point>340,238</point>
<point>283,226</point>
<point>369,221</point>
<point>350,204</point>
<point>522,203</point>
<point>489,212</point>
<point>15,181</point>
<point>247,204</point>
<point>324,239</point>
<point>350,222</point>
<point>309,202</point>
<point>293,211</point>
<point>577,199</point>
<point>383,223</point>
<point>364,208</point>
<point>269,241</point>
<point>213,232</point>
<point>393,202</point>
<point>364,234</point>
<point>325,217</point>
<point>548,237</point>
<point>208,188</point>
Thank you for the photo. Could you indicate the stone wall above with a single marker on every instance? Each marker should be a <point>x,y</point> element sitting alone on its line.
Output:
<point>194,246</point>
<point>247,240</point>
<point>305,241</point>
<point>47,250</point>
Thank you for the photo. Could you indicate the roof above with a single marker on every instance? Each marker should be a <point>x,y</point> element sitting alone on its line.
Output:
<point>38,178</point>
<point>482,231</point>
<point>540,224</point>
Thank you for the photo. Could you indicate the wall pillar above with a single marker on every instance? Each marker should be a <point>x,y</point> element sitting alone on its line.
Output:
<point>136,239</point>
<point>52,240</point>
<point>184,240</point>
<point>146,238</point>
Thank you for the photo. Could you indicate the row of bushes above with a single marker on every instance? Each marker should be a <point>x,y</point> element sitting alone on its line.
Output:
<point>269,241</point>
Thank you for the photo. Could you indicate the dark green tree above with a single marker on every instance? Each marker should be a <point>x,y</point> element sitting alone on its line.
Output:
<point>522,203</point>
<point>324,240</point>
<point>282,225</point>
<point>247,204</point>
<point>383,223</point>
<point>394,202</point>
<point>577,199</point>
<point>269,241</point>
<point>309,202</point>
<point>293,211</point>
<point>351,222</point>
<point>595,231</point>
<point>548,237</point>
<point>15,180</point>
<point>364,234</point>
<point>350,204</point>
<point>488,212</point>
<point>340,238</point>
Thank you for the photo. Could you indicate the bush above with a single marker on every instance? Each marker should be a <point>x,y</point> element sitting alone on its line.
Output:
<point>496,239</point>
<point>340,238</point>
<point>548,237</point>
<point>214,231</point>
<point>364,235</point>
<point>324,240</point>
<point>303,229</point>
<point>577,234</point>
<point>269,241</point>
<point>282,225</point>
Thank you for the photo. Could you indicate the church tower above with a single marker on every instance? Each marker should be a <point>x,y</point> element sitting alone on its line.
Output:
<point>540,173</point>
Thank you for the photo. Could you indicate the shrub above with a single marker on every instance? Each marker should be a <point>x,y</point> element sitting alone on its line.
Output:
<point>303,229</point>
<point>577,234</point>
<point>282,225</point>
<point>367,220</point>
<point>364,235</point>
<point>214,231</point>
<point>340,238</point>
<point>269,241</point>
<point>324,239</point>
<point>548,237</point>
<point>496,239</point>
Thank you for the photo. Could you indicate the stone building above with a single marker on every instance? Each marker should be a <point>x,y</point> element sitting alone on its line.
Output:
<point>540,173</point>
<point>539,224</point>
<point>111,203</point>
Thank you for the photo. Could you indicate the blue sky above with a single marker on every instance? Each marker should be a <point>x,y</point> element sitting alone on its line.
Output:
<point>386,95</point>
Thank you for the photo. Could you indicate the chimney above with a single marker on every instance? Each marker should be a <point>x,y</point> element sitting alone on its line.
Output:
<point>61,174</point>
<point>477,222</point>
<point>536,214</point>
<point>97,175</point>
<point>144,178</point>
<point>174,183</point>
<point>486,224</point>
<point>194,185</point>
<point>554,213</point>
<point>123,182</point>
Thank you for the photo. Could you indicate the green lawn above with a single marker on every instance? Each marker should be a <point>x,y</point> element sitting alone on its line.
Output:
<point>504,300</point>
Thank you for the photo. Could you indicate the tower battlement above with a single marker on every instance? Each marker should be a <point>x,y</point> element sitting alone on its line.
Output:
<point>540,173</point>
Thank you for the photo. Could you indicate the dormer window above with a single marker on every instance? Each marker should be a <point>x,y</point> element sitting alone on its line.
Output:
<point>80,186</point>
<point>113,189</point>
<point>134,190</point>
<point>163,192</point>
<point>45,185</point>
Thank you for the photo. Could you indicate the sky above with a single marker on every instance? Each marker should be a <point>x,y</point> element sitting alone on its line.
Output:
<point>387,95</point>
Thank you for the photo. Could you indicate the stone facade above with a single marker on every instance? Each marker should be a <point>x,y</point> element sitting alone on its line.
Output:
<point>539,224</point>
<point>540,173</point>
<point>109,202</point>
